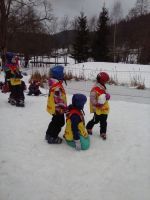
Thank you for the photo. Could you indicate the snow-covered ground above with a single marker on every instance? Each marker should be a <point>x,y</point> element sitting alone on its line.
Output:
<point>115,169</point>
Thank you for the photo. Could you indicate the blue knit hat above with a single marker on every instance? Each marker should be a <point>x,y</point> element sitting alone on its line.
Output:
<point>57,72</point>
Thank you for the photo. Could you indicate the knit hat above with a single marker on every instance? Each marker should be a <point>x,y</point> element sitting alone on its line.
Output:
<point>57,72</point>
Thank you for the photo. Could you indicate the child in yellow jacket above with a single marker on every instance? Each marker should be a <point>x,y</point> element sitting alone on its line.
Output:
<point>75,133</point>
<point>99,105</point>
<point>56,105</point>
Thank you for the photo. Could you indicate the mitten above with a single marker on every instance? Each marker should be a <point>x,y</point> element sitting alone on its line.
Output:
<point>99,105</point>
<point>77,145</point>
<point>64,107</point>
<point>107,96</point>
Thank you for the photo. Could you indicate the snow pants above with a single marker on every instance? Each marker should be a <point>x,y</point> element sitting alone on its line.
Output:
<point>54,128</point>
<point>101,119</point>
<point>85,143</point>
<point>17,93</point>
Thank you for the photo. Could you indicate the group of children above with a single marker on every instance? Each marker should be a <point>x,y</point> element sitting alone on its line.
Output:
<point>76,132</point>
<point>14,83</point>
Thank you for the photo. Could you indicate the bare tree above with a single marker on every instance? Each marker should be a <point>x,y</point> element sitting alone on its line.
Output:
<point>53,29</point>
<point>116,16</point>
<point>64,23</point>
<point>92,22</point>
<point>16,9</point>
<point>74,23</point>
<point>64,27</point>
<point>141,7</point>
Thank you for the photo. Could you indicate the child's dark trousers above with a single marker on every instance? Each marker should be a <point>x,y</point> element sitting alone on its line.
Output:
<point>101,119</point>
<point>54,128</point>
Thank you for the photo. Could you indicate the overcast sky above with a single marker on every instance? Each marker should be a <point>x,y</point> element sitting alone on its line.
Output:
<point>73,8</point>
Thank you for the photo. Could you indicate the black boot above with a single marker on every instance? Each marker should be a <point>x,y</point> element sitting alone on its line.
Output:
<point>103,136</point>
<point>20,103</point>
<point>12,101</point>
<point>52,140</point>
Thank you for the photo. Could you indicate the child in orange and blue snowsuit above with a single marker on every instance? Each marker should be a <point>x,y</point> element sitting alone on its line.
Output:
<point>75,133</point>
<point>56,105</point>
<point>99,105</point>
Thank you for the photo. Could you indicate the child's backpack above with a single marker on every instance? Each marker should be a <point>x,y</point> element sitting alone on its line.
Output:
<point>57,72</point>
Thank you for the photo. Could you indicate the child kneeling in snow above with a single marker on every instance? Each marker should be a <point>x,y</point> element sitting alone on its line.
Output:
<point>34,88</point>
<point>99,105</point>
<point>75,133</point>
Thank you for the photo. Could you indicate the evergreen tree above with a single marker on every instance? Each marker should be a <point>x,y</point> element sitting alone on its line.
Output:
<point>80,46</point>
<point>100,42</point>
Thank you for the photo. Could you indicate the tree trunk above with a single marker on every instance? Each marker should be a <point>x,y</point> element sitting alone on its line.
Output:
<point>3,37</point>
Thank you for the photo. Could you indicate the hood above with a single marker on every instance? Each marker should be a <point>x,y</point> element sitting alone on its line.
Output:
<point>9,56</point>
<point>79,100</point>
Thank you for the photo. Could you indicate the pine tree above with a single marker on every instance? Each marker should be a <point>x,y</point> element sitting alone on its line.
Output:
<point>100,44</point>
<point>80,46</point>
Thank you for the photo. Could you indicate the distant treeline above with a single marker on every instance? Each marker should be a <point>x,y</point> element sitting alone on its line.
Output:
<point>132,37</point>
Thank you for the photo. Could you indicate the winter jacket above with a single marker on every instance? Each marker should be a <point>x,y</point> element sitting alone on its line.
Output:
<point>98,102</point>
<point>13,74</point>
<point>75,125</point>
<point>57,102</point>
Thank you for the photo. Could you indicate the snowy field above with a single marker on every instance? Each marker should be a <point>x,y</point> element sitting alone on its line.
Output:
<point>121,73</point>
<point>115,169</point>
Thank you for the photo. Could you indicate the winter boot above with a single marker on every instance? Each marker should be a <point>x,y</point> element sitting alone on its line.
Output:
<point>103,136</point>
<point>29,94</point>
<point>12,101</point>
<point>47,137</point>
<point>20,103</point>
<point>89,131</point>
<point>52,140</point>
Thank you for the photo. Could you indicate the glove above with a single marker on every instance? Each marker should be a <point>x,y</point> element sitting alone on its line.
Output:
<point>77,145</point>
<point>107,96</point>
